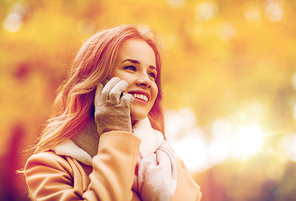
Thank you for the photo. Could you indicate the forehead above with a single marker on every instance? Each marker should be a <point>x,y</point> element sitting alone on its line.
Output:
<point>137,49</point>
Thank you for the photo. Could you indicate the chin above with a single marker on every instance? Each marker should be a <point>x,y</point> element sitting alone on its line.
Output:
<point>137,116</point>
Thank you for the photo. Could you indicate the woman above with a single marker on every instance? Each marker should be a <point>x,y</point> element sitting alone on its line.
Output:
<point>105,139</point>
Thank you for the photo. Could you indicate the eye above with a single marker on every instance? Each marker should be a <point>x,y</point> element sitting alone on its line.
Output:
<point>152,74</point>
<point>132,68</point>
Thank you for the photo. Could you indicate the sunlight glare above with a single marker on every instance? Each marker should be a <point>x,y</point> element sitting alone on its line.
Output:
<point>288,143</point>
<point>193,151</point>
<point>247,142</point>
<point>186,139</point>
<point>219,144</point>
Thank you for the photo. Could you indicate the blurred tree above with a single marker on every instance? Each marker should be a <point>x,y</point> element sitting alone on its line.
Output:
<point>223,57</point>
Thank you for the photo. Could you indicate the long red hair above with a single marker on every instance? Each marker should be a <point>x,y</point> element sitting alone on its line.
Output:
<point>74,104</point>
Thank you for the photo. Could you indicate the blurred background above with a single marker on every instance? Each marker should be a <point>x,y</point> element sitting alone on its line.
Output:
<point>229,81</point>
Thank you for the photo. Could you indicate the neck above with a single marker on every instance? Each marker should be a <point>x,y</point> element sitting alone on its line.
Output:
<point>134,122</point>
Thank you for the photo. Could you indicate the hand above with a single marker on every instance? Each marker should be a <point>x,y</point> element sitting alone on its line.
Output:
<point>112,111</point>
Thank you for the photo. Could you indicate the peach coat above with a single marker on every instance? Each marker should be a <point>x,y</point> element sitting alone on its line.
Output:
<point>50,176</point>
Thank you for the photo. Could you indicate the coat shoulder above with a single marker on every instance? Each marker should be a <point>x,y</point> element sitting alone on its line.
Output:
<point>48,159</point>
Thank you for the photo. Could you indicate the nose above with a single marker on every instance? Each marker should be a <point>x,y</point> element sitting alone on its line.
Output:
<point>144,81</point>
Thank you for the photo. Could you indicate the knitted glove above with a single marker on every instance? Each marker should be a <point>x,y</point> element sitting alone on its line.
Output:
<point>88,138</point>
<point>112,111</point>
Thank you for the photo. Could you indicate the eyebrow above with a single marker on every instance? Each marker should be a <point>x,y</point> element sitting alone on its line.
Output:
<point>137,62</point>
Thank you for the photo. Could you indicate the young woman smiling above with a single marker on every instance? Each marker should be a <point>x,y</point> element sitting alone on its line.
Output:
<point>105,139</point>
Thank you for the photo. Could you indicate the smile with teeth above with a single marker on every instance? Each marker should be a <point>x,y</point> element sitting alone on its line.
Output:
<point>141,96</point>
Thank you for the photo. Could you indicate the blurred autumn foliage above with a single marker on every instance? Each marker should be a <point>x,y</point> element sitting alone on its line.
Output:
<point>230,61</point>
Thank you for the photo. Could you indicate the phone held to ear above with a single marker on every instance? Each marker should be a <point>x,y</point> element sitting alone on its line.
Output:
<point>105,81</point>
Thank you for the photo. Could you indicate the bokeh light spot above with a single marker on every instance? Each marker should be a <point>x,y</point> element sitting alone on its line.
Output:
<point>274,12</point>
<point>225,31</point>
<point>175,4</point>
<point>206,11</point>
<point>275,171</point>
<point>252,11</point>
<point>12,23</point>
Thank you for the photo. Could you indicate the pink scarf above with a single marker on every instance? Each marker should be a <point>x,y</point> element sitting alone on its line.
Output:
<point>156,170</point>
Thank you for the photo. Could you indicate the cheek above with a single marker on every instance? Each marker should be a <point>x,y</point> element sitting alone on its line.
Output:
<point>154,92</point>
<point>128,80</point>
<point>122,76</point>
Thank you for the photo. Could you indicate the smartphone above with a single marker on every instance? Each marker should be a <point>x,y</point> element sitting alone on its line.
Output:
<point>105,81</point>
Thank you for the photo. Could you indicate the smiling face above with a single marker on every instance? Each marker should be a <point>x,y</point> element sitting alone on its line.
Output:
<point>136,64</point>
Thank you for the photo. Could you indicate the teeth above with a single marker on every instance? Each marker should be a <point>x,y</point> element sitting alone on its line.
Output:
<point>141,96</point>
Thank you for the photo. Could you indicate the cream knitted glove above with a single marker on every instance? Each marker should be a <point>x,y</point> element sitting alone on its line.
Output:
<point>112,111</point>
